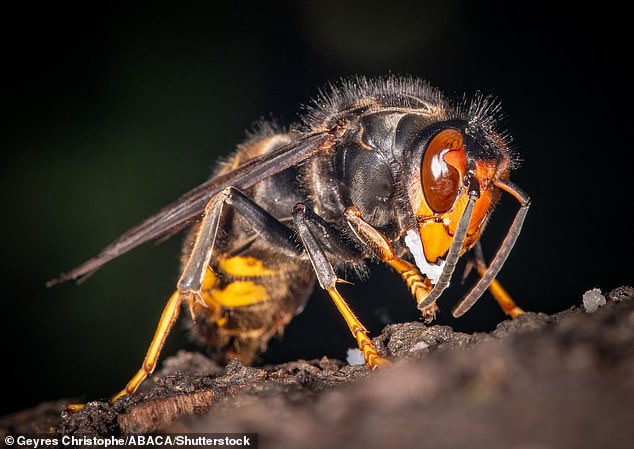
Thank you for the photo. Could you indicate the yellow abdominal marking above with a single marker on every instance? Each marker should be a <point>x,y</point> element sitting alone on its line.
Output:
<point>208,281</point>
<point>244,266</point>
<point>240,294</point>
<point>237,293</point>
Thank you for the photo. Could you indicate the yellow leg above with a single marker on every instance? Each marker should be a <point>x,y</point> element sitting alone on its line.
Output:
<point>504,300</point>
<point>502,297</point>
<point>372,358</point>
<point>168,318</point>
<point>419,286</point>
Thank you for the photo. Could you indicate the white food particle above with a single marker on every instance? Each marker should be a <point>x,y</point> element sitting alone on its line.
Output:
<point>432,271</point>
<point>593,299</point>
<point>354,357</point>
<point>420,346</point>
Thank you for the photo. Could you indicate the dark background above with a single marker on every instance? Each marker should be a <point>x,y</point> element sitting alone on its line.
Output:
<point>109,113</point>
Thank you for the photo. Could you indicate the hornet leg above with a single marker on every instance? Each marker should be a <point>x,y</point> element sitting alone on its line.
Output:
<point>190,282</point>
<point>505,301</point>
<point>419,286</point>
<point>327,280</point>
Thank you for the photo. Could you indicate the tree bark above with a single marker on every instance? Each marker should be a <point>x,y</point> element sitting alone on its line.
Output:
<point>538,381</point>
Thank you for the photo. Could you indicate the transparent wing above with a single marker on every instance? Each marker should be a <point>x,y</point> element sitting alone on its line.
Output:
<point>191,205</point>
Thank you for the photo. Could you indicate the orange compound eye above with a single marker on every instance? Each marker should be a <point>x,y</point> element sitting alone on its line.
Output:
<point>444,164</point>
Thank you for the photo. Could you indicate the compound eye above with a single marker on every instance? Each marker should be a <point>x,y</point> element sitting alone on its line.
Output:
<point>444,163</point>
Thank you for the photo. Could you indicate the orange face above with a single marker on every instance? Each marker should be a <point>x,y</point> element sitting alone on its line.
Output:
<point>442,198</point>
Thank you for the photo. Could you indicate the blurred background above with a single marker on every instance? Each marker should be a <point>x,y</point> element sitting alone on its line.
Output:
<point>111,112</point>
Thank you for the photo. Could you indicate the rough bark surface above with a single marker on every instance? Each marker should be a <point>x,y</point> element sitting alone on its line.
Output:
<point>539,381</point>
